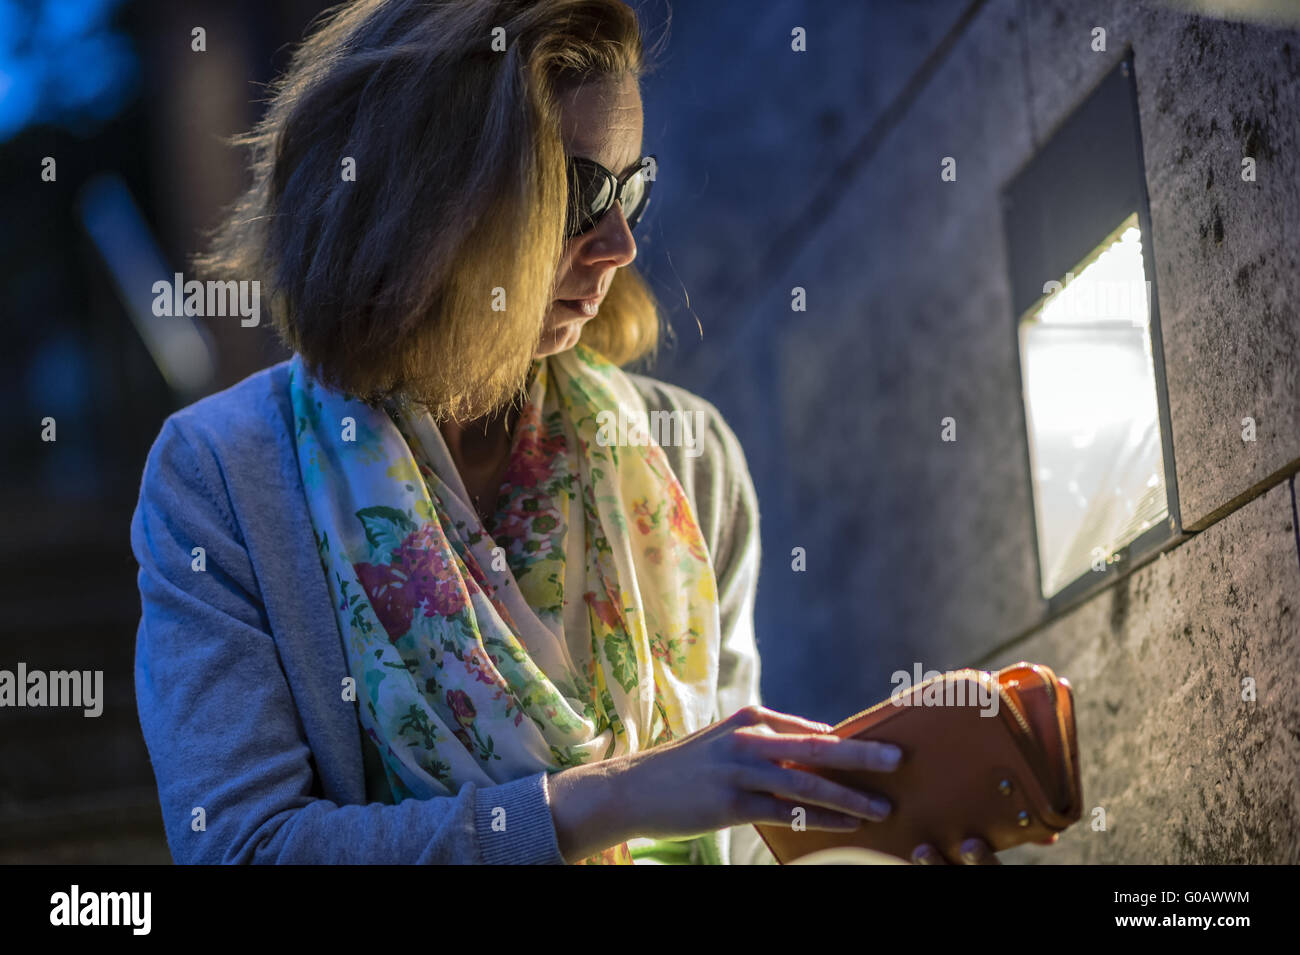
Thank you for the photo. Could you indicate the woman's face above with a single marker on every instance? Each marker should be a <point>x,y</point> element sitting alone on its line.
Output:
<point>601,121</point>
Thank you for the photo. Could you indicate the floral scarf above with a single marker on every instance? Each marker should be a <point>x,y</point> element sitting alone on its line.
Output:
<point>588,628</point>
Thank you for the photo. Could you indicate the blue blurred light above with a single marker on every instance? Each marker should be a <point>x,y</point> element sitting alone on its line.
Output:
<point>20,95</point>
<point>59,378</point>
<point>61,63</point>
<point>69,18</point>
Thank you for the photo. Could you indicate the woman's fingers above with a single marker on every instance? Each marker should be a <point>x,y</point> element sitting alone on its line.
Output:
<point>977,852</point>
<point>760,721</point>
<point>972,852</point>
<point>781,722</point>
<point>820,750</point>
<point>803,788</point>
<point>926,854</point>
<point>770,810</point>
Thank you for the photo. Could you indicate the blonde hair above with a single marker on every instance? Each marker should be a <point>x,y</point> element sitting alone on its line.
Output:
<point>386,284</point>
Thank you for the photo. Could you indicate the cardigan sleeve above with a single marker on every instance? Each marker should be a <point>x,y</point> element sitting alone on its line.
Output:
<point>235,773</point>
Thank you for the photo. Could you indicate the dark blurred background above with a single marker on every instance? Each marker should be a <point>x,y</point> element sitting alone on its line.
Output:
<point>777,169</point>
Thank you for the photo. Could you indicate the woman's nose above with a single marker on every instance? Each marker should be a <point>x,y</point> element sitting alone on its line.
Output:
<point>610,241</point>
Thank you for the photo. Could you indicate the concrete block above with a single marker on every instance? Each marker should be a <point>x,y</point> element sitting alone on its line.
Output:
<point>1185,770</point>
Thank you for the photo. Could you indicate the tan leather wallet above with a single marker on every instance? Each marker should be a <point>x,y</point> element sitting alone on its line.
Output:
<point>1008,777</point>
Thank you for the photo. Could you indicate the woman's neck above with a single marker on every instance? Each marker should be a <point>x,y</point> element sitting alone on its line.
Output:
<point>480,449</point>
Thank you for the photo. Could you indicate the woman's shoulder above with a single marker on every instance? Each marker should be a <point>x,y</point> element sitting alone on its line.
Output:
<point>243,431</point>
<point>663,394</point>
<point>692,425</point>
<point>708,460</point>
<point>246,409</point>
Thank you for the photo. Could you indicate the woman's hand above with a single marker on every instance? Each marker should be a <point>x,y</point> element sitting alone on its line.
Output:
<point>740,770</point>
<point>973,852</point>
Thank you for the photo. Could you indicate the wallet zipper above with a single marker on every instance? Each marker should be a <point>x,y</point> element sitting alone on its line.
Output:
<point>1051,690</point>
<point>1065,744</point>
<point>1015,711</point>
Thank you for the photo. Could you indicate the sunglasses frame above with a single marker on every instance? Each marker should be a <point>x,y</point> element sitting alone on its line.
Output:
<point>619,186</point>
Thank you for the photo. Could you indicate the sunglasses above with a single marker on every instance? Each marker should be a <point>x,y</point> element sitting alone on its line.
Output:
<point>593,190</point>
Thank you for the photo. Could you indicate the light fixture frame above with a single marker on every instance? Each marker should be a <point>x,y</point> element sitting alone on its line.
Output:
<point>1088,176</point>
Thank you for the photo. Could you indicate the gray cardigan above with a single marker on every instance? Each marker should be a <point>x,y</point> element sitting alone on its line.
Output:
<point>239,665</point>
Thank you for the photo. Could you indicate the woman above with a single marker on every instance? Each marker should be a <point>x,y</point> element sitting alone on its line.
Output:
<point>406,598</point>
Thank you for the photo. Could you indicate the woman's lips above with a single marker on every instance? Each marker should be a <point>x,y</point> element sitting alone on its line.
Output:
<point>584,306</point>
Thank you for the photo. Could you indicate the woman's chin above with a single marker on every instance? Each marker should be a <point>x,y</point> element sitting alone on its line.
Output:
<point>559,338</point>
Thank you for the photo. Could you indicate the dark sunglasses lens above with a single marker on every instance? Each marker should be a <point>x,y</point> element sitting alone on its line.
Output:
<point>590,195</point>
<point>636,196</point>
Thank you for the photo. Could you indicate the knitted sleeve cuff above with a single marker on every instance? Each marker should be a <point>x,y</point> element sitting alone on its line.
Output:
<point>514,824</point>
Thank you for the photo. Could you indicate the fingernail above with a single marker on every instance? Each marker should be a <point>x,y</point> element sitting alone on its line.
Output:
<point>879,807</point>
<point>969,854</point>
<point>890,755</point>
<point>922,855</point>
